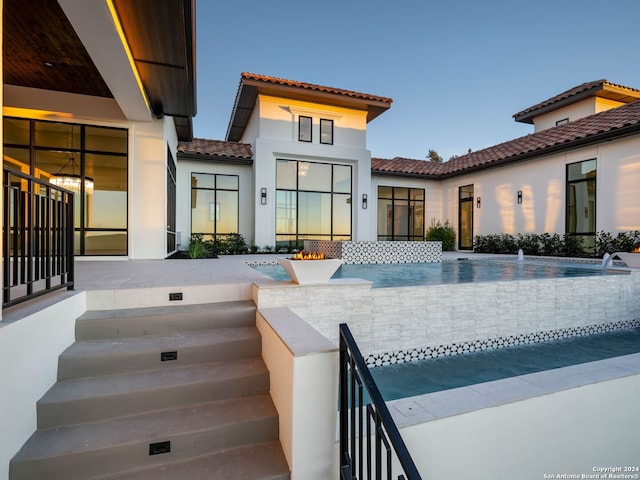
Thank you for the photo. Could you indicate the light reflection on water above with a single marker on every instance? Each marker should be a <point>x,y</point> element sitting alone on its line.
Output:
<point>414,274</point>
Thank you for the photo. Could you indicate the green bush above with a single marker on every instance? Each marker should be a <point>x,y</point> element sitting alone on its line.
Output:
<point>198,247</point>
<point>442,233</point>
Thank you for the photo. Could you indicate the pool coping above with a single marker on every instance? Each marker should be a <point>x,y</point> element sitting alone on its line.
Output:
<point>447,403</point>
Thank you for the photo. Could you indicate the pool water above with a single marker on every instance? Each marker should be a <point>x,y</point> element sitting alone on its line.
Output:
<point>461,271</point>
<point>433,375</point>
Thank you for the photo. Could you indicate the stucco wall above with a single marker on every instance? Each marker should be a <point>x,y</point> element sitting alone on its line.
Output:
<point>278,139</point>
<point>543,186</point>
<point>31,339</point>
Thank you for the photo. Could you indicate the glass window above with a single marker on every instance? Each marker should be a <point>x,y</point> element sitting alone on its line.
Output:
<point>326,131</point>
<point>314,176</point>
<point>581,202</point>
<point>214,204</point>
<point>315,204</point>
<point>400,213</point>
<point>99,180</point>
<point>16,131</point>
<point>304,128</point>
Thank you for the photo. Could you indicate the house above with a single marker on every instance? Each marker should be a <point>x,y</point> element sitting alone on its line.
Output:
<point>286,140</point>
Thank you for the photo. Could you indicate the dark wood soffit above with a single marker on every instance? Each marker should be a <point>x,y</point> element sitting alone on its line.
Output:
<point>38,32</point>
<point>161,39</point>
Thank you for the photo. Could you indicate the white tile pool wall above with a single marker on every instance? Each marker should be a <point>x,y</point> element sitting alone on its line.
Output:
<point>388,322</point>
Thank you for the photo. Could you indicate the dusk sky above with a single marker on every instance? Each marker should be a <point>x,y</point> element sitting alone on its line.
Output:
<point>456,70</point>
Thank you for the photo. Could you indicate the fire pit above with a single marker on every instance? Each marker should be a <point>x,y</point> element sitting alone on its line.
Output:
<point>310,267</point>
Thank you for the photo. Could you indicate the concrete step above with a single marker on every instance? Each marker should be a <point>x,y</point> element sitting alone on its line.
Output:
<point>98,398</point>
<point>98,449</point>
<point>155,321</point>
<point>113,356</point>
<point>256,462</point>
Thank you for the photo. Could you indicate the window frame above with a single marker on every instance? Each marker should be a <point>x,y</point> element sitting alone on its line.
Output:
<point>569,183</point>
<point>411,203</point>
<point>326,121</point>
<point>215,234</point>
<point>302,132</point>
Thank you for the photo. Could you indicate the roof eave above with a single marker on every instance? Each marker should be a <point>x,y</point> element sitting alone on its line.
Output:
<point>585,141</point>
<point>250,88</point>
<point>528,116</point>
<point>207,157</point>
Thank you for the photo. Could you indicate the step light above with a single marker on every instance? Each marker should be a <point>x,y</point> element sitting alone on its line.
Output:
<point>175,296</point>
<point>168,356</point>
<point>159,448</point>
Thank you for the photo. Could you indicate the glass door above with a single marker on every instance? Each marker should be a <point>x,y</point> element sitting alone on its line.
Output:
<point>465,218</point>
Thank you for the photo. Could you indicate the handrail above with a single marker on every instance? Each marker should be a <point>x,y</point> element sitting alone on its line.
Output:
<point>37,237</point>
<point>354,430</point>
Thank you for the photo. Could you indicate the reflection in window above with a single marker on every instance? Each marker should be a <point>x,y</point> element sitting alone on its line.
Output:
<point>400,213</point>
<point>313,202</point>
<point>326,131</point>
<point>214,204</point>
<point>304,128</point>
<point>91,161</point>
<point>581,202</point>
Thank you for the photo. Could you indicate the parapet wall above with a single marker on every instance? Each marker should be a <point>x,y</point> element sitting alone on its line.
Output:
<point>378,252</point>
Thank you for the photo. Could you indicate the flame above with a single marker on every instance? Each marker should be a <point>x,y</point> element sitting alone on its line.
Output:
<point>636,250</point>
<point>302,255</point>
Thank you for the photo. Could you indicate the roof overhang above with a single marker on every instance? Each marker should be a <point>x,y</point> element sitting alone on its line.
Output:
<point>605,90</point>
<point>250,88</point>
<point>140,53</point>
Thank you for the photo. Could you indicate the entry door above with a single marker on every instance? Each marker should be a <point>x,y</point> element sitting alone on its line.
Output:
<point>465,218</point>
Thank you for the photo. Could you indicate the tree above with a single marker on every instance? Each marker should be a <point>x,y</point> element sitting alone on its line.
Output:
<point>434,157</point>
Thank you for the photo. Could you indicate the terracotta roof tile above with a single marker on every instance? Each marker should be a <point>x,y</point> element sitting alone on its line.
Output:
<point>311,86</point>
<point>593,127</point>
<point>572,92</point>
<point>406,166</point>
<point>216,148</point>
<point>547,140</point>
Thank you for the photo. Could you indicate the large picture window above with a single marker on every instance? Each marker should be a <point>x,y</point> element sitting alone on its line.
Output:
<point>400,213</point>
<point>581,202</point>
<point>313,202</point>
<point>88,160</point>
<point>214,204</point>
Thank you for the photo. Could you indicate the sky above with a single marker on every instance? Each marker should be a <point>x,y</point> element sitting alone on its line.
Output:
<point>457,71</point>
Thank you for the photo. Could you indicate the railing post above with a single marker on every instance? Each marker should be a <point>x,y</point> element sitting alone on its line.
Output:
<point>385,432</point>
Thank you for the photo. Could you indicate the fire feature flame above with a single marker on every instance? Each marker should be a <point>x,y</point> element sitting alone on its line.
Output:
<point>636,250</point>
<point>302,255</point>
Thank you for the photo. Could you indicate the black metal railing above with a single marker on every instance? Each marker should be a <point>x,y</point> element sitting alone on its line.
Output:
<point>366,426</point>
<point>37,242</point>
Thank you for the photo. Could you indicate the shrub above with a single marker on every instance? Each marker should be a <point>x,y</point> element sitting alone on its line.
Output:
<point>198,248</point>
<point>442,233</point>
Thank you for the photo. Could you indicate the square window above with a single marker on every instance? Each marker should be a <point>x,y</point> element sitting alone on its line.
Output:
<point>326,131</point>
<point>304,129</point>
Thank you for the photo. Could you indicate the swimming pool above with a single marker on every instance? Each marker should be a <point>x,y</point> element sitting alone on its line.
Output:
<point>451,271</point>
<point>444,373</point>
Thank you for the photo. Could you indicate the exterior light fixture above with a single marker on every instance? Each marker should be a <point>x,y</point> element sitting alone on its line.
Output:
<point>364,201</point>
<point>519,196</point>
<point>478,202</point>
<point>263,196</point>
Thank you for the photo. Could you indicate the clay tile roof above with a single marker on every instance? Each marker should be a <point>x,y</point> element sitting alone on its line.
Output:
<point>406,166</point>
<point>216,148</point>
<point>311,86</point>
<point>602,88</point>
<point>616,121</point>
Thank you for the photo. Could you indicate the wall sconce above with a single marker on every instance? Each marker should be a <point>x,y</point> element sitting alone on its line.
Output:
<point>364,201</point>
<point>478,202</point>
<point>519,196</point>
<point>263,196</point>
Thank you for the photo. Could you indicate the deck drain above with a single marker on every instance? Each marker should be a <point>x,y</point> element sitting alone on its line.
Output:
<point>159,448</point>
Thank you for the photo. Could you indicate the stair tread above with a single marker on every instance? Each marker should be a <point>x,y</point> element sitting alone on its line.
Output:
<point>207,308</point>
<point>167,376</point>
<point>115,347</point>
<point>264,461</point>
<point>149,427</point>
